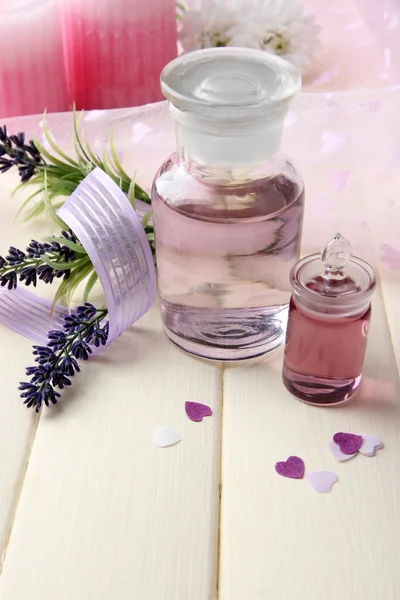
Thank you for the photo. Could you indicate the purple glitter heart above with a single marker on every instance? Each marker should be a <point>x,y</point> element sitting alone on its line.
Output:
<point>293,468</point>
<point>196,411</point>
<point>349,443</point>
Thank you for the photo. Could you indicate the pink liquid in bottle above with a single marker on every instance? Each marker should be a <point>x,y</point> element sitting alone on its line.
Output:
<point>329,317</point>
<point>323,356</point>
<point>224,260</point>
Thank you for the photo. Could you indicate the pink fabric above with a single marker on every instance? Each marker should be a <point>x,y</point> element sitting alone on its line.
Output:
<point>360,45</point>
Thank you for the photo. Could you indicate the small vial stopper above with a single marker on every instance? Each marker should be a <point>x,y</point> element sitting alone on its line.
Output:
<point>336,255</point>
<point>334,281</point>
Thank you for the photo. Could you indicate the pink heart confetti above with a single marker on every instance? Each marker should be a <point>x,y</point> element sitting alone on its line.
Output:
<point>196,411</point>
<point>293,468</point>
<point>322,481</point>
<point>339,179</point>
<point>391,257</point>
<point>349,443</point>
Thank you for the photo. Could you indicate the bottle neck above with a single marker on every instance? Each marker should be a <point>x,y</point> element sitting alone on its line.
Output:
<point>332,308</point>
<point>222,145</point>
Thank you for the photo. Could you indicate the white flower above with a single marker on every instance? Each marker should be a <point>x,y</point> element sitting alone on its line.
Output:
<point>276,26</point>
<point>279,27</point>
<point>207,28</point>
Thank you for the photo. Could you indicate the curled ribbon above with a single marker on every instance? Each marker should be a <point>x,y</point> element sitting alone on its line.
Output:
<point>112,234</point>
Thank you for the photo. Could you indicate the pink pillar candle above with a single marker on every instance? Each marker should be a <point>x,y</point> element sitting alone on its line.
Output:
<point>32,75</point>
<point>115,51</point>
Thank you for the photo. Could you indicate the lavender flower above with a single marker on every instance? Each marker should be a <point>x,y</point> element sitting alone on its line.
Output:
<point>57,362</point>
<point>29,266</point>
<point>14,152</point>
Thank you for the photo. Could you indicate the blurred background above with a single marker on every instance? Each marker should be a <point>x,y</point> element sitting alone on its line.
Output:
<point>101,54</point>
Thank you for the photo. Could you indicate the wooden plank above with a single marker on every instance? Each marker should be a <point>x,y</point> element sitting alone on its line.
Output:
<point>104,513</point>
<point>17,425</point>
<point>279,538</point>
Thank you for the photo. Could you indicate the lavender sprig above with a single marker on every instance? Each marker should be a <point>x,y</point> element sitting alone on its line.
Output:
<point>56,175</point>
<point>63,173</point>
<point>57,362</point>
<point>14,152</point>
<point>39,261</point>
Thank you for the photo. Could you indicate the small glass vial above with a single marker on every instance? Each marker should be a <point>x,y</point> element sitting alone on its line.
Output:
<point>228,206</point>
<point>329,317</point>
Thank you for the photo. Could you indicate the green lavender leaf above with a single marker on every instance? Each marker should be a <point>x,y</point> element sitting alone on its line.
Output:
<point>55,147</point>
<point>95,159</point>
<point>60,293</point>
<point>117,164</point>
<point>27,201</point>
<point>146,217</point>
<point>35,211</point>
<point>106,167</point>
<point>63,266</point>
<point>90,285</point>
<point>49,207</point>
<point>57,183</point>
<point>131,191</point>
<point>63,242</point>
<point>77,141</point>
<point>54,160</point>
<point>75,279</point>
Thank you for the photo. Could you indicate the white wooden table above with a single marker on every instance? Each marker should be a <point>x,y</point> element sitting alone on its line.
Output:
<point>90,508</point>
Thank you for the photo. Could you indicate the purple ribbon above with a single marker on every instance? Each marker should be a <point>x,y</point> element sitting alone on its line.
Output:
<point>112,234</point>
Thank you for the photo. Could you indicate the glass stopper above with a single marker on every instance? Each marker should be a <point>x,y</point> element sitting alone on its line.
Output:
<point>336,255</point>
<point>334,281</point>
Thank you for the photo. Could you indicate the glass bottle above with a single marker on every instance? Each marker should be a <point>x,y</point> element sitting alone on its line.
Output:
<point>228,206</point>
<point>329,317</point>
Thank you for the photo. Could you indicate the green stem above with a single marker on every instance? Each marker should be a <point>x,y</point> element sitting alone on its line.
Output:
<point>101,313</point>
<point>35,262</point>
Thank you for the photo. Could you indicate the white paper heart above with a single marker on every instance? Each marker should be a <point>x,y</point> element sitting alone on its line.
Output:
<point>331,142</point>
<point>290,120</point>
<point>165,436</point>
<point>338,454</point>
<point>322,481</point>
<point>371,443</point>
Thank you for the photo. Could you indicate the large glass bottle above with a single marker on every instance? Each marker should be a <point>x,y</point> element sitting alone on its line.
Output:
<point>228,206</point>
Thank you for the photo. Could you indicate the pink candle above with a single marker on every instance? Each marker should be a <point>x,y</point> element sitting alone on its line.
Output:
<point>32,75</point>
<point>115,51</point>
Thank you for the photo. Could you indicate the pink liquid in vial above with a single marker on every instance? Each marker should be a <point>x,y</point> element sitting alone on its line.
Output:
<point>324,355</point>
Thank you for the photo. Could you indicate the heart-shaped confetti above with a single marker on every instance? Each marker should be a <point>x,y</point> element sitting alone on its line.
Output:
<point>196,411</point>
<point>165,436</point>
<point>339,178</point>
<point>371,443</point>
<point>293,468</point>
<point>349,443</point>
<point>322,481</point>
<point>331,142</point>
<point>338,454</point>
